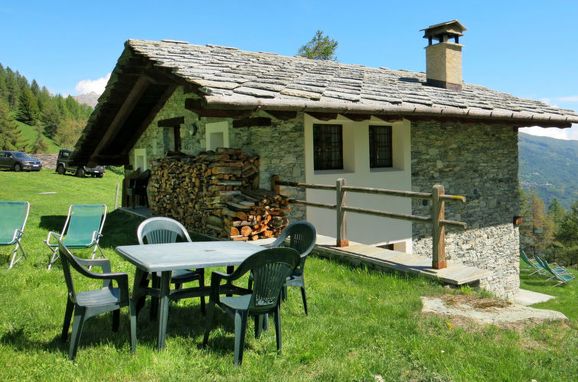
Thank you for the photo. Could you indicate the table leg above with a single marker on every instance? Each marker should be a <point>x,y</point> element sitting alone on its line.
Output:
<point>138,295</point>
<point>164,308</point>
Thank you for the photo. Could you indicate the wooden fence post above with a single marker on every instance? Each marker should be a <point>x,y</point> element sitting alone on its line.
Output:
<point>438,229</point>
<point>341,223</point>
<point>275,187</point>
<point>116,195</point>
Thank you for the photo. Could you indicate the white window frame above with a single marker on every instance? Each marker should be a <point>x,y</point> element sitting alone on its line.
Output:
<point>216,128</point>
<point>140,153</point>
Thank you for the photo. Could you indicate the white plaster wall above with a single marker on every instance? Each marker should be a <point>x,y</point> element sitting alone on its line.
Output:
<point>356,172</point>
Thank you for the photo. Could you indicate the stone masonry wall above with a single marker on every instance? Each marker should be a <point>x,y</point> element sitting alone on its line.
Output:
<point>481,162</point>
<point>280,147</point>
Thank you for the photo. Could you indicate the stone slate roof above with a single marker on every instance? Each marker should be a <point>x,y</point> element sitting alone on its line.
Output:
<point>230,77</point>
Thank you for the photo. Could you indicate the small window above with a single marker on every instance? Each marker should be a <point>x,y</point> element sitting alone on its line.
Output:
<point>217,135</point>
<point>380,147</point>
<point>328,147</point>
<point>140,159</point>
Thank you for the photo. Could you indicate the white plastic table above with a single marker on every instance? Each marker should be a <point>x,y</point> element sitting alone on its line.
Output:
<point>166,258</point>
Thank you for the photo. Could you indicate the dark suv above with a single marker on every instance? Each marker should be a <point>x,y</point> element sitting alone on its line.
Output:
<point>18,161</point>
<point>63,166</point>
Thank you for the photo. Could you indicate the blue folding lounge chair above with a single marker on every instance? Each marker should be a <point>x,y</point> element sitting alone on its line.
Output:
<point>559,274</point>
<point>534,264</point>
<point>13,216</point>
<point>82,229</point>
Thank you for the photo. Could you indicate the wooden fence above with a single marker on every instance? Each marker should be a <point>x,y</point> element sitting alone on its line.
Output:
<point>437,218</point>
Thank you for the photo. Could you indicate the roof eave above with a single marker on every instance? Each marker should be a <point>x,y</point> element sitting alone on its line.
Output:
<point>403,109</point>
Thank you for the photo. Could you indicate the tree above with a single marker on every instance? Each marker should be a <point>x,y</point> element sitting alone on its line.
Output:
<point>9,133</point>
<point>568,230</point>
<point>39,145</point>
<point>50,121</point>
<point>320,47</point>
<point>28,111</point>
<point>537,230</point>
<point>69,132</point>
<point>556,211</point>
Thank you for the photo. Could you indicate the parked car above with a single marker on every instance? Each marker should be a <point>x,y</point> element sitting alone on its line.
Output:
<point>63,166</point>
<point>18,161</point>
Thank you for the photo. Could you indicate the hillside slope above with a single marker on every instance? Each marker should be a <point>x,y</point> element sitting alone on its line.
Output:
<point>549,167</point>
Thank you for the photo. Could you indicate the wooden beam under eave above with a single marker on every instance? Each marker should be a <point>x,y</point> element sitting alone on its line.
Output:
<point>322,116</point>
<point>171,122</point>
<point>197,107</point>
<point>122,114</point>
<point>282,115</point>
<point>113,160</point>
<point>149,118</point>
<point>388,118</point>
<point>252,122</point>
<point>357,117</point>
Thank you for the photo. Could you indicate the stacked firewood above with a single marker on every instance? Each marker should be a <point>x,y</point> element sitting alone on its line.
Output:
<point>216,193</point>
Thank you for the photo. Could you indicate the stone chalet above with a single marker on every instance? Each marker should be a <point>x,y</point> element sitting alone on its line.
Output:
<point>314,121</point>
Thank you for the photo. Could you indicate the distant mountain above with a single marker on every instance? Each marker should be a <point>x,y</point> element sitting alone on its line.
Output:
<point>90,99</point>
<point>549,167</point>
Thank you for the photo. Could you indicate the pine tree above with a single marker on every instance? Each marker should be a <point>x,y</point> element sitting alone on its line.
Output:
<point>9,133</point>
<point>568,231</point>
<point>51,121</point>
<point>28,107</point>
<point>320,47</point>
<point>556,211</point>
<point>537,231</point>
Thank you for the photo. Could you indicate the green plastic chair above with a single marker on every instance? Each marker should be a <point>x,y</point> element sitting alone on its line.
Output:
<point>302,236</point>
<point>13,217</point>
<point>87,304</point>
<point>557,272</point>
<point>270,269</point>
<point>159,230</point>
<point>82,229</point>
<point>533,264</point>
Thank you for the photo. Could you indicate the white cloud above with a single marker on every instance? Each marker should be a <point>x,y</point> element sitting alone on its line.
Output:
<point>553,132</point>
<point>570,99</point>
<point>92,86</point>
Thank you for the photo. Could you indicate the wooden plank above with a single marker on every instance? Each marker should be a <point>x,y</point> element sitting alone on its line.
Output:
<point>306,185</point>
<point>357,117</point>
<point>171,122</point>
<point>282,115</point>
<point>199,108</point>
<point>128,105</point>
<point>323,116</point>
<point>383,191</point>
<point>390,215</point>
<point>312,204</point>
<point>147,121</point>
<point>252,122</point>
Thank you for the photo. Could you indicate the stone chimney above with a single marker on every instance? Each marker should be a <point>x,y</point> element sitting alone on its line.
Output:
<point>444,58</point>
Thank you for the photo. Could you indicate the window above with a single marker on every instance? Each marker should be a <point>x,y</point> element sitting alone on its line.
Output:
<point>327,147</point>
<point>140,159</point>
<point>216,135</point>
<point>380,147</point>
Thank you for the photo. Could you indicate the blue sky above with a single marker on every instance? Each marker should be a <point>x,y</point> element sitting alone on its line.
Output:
<point>526,48</point>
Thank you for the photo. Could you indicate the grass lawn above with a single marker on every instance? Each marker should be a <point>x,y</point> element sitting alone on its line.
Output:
<point>361,323</point>
<point>29,135</point>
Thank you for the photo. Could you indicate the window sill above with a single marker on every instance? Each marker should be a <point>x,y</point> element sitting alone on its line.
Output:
<point>332,172</point>
<point>385,169</point>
